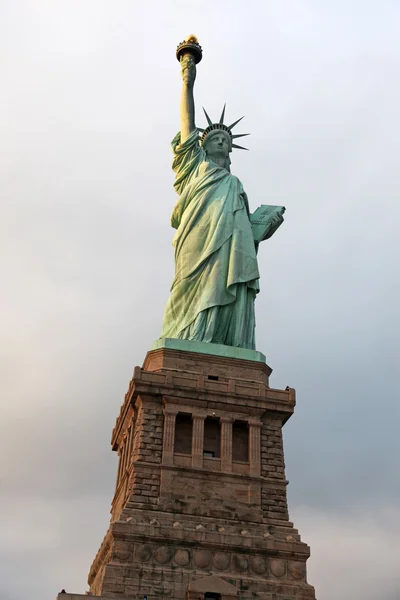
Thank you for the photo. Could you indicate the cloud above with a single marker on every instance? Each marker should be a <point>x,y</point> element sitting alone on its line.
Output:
<point>352,556</point>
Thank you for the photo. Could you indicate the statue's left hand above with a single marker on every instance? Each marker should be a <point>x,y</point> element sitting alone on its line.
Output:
<point>265,221</point>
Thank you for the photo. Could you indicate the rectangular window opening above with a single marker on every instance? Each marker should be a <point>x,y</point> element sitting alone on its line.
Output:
<point>240,441</point>
<point>208,454</point>
<point>212,437</point>
<point>183,434</point>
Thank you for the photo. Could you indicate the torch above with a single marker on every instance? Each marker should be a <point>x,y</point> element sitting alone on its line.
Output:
<point>190,46</point>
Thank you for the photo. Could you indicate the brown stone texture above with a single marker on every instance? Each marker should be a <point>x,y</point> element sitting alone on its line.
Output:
<point>200,500</point>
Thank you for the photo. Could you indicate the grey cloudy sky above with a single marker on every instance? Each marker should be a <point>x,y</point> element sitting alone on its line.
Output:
<point>89,104</point>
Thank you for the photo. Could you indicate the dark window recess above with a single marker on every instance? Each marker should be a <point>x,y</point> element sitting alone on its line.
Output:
<point>240,441</point>
<point>211,596</point>
<point>208,454</point>
<point>212,437</point>
<point>183,434</point>
<point>213,377</point>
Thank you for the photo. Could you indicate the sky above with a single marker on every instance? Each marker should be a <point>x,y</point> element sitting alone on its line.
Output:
<point>88,106</point>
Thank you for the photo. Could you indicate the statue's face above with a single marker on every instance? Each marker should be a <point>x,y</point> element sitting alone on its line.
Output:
<point>218,144</point>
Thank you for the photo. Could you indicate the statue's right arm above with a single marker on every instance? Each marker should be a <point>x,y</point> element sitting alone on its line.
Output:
<point>188,72</point>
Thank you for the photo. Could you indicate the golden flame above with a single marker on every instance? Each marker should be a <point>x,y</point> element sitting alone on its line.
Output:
<point>192,38</point>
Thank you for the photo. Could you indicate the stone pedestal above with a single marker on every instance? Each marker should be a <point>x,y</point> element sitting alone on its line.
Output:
<point>200,509</point>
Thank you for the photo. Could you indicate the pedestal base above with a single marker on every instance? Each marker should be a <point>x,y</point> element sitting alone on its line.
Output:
<point>200,503</point>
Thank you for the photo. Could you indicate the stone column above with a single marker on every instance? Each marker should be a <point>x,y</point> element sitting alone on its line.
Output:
<point>129,447</point>
<point>169,436</point>
<point>119,467</point>
<point>198,441</point>
<point>255,447</point>
<point>124,453</point>
<point>226,444</point>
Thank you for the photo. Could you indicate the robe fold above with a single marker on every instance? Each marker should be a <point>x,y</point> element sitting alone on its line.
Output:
<point>216,271</point>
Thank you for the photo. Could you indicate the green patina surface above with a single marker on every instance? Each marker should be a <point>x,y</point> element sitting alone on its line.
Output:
<point>209,348</point>
<point>217,238</point>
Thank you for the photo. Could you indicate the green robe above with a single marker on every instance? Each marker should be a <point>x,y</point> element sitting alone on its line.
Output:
<point>216,271</point>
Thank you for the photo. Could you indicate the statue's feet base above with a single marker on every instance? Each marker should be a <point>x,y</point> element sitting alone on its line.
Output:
<point>211,349</point>
<point>215,361</point>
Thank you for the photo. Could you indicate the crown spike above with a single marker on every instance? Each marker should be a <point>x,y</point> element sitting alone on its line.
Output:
<point>235,123</point>
<point>221,120</point>
<point>207,117</point>
<point>222,127</point>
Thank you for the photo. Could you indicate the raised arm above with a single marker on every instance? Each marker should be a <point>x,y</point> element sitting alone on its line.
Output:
<point>188,72</point>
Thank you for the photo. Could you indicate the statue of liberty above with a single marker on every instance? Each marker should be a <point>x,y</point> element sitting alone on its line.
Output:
<point>216,272</point>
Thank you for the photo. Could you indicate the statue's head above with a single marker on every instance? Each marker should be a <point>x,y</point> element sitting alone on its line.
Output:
<point>217,139</point>
<point>218,145</point>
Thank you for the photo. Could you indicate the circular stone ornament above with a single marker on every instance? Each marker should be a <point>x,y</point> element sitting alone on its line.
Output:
<point>240,563</point>
<point>221,561</point>
<point>297,569</point>
<point>143,552</point>
<point>278,567</point>
<point>202,558</point>
<point>259,565</point>
<point>162,554</point>
<point>182,557</point>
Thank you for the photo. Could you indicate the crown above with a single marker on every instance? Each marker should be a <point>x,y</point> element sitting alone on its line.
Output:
<point>222,127</point>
